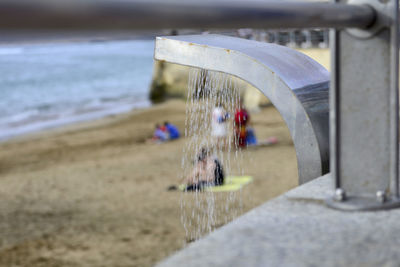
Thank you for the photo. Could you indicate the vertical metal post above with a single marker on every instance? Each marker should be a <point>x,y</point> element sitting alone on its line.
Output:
<point>364,112</point>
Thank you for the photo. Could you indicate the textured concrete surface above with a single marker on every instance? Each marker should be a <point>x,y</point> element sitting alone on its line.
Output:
<point>297,229</point>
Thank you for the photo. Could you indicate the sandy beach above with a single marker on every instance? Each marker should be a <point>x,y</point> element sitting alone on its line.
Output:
<point>94,194</point>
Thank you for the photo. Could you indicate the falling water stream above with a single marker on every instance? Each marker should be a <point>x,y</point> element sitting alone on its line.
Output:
<point>204,211</point>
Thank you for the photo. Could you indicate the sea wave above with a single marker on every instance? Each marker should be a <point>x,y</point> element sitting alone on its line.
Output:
<point>34,120</point>
<point>5,51</point>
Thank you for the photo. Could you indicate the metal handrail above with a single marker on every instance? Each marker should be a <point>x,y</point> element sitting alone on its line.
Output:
<point>120,14</point>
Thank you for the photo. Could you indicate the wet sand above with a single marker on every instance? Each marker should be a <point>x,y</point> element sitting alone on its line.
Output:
<point>94,194</point>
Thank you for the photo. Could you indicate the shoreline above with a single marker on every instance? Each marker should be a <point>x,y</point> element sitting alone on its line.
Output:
<point>78,118</point>
<point>49,85</point>
<point>88,122</point>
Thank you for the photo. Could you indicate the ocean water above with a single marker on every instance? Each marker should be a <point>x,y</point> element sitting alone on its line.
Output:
<point>48,85</point>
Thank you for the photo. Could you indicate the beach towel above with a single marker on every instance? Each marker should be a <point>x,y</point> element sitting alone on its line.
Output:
<point>231,184</point>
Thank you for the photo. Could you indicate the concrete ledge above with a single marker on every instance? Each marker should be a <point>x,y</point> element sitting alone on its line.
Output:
<point>297,229</point>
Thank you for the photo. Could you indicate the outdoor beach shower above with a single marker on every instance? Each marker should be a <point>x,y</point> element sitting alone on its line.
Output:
<point>297,86</point>
<point>363,84</point>
<point>362,91</point>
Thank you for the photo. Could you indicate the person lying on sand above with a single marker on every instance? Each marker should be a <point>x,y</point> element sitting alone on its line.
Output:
<point>208,171</point>
<point>251,139</point>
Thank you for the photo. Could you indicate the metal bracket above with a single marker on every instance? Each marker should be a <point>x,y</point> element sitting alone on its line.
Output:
<point>382,9</point>
<point>364,112</point>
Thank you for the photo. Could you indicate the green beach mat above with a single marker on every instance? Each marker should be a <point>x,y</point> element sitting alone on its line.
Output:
<point>231,184</point>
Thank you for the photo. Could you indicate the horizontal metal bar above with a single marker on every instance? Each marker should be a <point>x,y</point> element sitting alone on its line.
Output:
<point>119,14</point>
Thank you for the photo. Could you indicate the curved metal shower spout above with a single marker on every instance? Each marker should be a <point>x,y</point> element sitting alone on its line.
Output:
<point>296,85</point>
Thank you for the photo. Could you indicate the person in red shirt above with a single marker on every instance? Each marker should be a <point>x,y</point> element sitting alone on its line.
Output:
<point>242,119</point>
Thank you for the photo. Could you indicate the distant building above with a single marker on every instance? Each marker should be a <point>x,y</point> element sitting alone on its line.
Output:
<point>293,38</point>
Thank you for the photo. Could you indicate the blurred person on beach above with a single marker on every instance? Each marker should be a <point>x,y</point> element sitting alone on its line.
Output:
<point>242,119</point>
<point>172,130</point>
<point>218,125</point>
<point>159,135</point>
<point>165,133</point>
<point>207,171</point>
<point>251,139</point>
